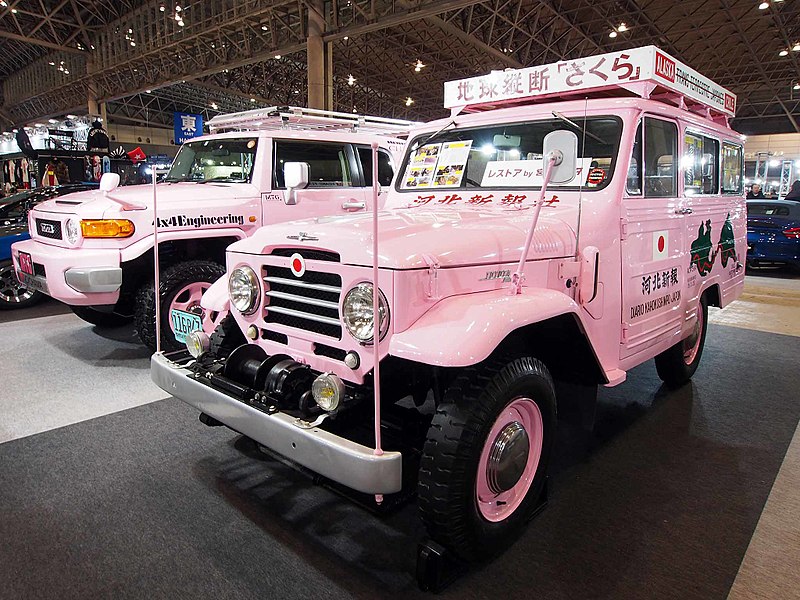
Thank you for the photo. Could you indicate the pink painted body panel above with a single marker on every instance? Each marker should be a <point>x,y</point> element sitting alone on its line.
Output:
<point>444,263</point>
<point>187,210</point>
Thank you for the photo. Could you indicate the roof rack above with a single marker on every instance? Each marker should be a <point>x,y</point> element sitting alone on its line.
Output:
<point>647,72</point>
<point>307,119</point>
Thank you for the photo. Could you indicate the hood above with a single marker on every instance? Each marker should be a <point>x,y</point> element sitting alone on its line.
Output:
<point>407,236</point>
<point>94,203</point>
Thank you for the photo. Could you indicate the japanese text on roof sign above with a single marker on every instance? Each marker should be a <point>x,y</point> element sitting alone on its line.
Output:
<point>629,69</point>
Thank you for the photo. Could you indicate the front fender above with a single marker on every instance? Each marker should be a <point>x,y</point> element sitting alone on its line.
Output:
<point>464,330</point>
<point>216,297</point>
<point>138,248</point>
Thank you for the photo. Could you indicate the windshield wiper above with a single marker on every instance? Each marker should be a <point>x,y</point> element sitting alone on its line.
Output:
<point>175,179</point>
<point>223,179</point>
<point>561,117</point>
<point>428,139</point>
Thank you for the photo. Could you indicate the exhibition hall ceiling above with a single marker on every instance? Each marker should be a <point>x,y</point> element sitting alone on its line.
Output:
<point>389,57</point>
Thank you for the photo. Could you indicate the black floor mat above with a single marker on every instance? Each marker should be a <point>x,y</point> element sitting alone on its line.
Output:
<point>660,502</point>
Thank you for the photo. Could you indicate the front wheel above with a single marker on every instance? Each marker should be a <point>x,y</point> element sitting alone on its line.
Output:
<point>12,293</point>
<point>485,460</point>
<point>677,364</point>
<point>182,286</point>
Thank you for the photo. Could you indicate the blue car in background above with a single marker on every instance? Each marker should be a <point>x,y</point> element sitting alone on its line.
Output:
<point>773,233</point>
<point>13,228</point>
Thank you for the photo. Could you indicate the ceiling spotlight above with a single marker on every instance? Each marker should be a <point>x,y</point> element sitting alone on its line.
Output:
<point>252,99</point>
<point>214,105</point>
<point>763,6</point>
<point>264,28</point>
<point>419,66</point>
<point>796,47</point>
<point>796,86</point>
<point>149,91</point>
<point>181,23</point>
<point>14,10</point>
<point>622,27</point>
<point>178,8</point>
<point>277,57</point>
<point>133,43</point>
<point>409,101</point>
<point>613,34</point>
<point>351,80</point>
<point>53,120</point>
<point>162,8</point>
<point>783,52</point>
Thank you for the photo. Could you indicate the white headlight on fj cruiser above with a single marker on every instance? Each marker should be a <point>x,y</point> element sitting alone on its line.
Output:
<point>72,231</point>
<point>243,289</point>
<point>357,313</point>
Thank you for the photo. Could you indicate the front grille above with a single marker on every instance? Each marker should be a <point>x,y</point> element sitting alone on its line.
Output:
<point>307,254</point>
<point>329,351</point>
<point>48,229</point>
<point>310,302</point>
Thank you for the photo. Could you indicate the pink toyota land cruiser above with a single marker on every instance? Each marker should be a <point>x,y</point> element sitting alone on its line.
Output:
<point>566,223</point>
<point>94,250</point>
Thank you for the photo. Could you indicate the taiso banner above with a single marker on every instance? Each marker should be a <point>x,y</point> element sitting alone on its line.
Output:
<point>187,126</point>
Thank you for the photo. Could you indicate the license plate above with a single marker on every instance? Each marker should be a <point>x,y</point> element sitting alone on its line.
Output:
<point>31,282</point>
<point>184,323</point>
<point>25,263</point>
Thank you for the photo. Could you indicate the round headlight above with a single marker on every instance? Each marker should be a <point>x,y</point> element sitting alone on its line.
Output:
<point>357,313</point>
<point>243,289</point>
<point>73,231</point>
<point>328,391</point>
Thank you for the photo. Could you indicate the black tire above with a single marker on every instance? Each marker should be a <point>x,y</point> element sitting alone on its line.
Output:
<point>226,338</point>
<point>674,366</point>
<point>448,476</point>
<point>175,278</point>
<point>99,318</point>
<point>12,293</point>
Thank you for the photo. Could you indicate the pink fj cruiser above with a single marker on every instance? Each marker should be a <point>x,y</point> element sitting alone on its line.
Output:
<point>566,223</point>
<point>94,250</point>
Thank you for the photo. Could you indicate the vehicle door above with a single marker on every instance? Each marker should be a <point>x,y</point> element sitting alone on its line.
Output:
<point>653,245</point>
<point>334,181</point>
<point>385,172</point>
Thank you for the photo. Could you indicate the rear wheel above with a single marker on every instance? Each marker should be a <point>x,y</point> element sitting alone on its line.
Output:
<point>182,286</point>
<point>485,459</point>
<point>99,318</point>
<point>12,293</point>
<point>677,364</point>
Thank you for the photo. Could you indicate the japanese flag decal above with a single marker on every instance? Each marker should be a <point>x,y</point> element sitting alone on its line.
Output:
<point>297,264</point>
<point>660,245</point>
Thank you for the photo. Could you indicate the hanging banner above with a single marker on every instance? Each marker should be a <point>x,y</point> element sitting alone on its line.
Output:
<point>187,126</point>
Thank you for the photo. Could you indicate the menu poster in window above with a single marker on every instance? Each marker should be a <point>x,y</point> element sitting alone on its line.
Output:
<point>452,161</point>
<point>422,166</point>
<point>525,173</point>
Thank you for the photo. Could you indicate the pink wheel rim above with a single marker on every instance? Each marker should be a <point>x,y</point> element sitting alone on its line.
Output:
<point>691,345</point>
<point>188,300</point>
<point>495,505</point>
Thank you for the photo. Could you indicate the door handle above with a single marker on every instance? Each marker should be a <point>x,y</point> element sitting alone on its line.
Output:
<point>683,211</point>
<point>353,205</point>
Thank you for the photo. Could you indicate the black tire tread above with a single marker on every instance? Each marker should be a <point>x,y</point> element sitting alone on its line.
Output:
<point>226,338</point>
<point>100,319</point>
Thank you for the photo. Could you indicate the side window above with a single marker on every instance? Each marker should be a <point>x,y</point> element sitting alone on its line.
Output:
<point>385,170</point>
<point>700,170</point>
<point>731,169</point>
<point>634,180</point>
<point>660,159</point>
<point>328,164</point>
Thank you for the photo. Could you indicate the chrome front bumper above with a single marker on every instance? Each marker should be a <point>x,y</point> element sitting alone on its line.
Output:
<point>331,456</point>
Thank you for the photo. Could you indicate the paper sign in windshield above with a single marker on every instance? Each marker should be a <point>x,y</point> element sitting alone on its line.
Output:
<point>525,173</point>
<point>422,166</point>
<point>452,161</point>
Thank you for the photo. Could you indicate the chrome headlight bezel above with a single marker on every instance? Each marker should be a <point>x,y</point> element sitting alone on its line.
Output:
<point>246,281</point>
<point>358,306</point>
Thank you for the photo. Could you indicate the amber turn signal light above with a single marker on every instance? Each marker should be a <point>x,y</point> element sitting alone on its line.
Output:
<point>107,228</point>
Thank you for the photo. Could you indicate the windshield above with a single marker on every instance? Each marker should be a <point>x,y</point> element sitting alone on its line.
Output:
<point>229,160</point>
<point>508,156</point>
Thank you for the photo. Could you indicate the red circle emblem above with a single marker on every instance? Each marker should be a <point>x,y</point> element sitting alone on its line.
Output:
<point>298,265</point>
<point>661,242</point>
<point>596,176</point>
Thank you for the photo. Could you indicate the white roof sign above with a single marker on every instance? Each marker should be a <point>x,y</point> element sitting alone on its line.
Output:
<point>640,71</point>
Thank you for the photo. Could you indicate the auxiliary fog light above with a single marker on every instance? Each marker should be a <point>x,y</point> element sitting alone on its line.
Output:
<point>328,391</point>
<point>197,343</point>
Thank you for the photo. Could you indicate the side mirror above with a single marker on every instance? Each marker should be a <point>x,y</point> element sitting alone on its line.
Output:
<point>295,177</point>
<point>109,182</point>
<point>564,144</point>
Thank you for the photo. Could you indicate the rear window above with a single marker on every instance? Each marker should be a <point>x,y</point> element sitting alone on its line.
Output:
<point>770,210</point>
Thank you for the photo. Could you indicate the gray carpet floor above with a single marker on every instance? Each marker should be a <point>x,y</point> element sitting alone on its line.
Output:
<point>660,502</point>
